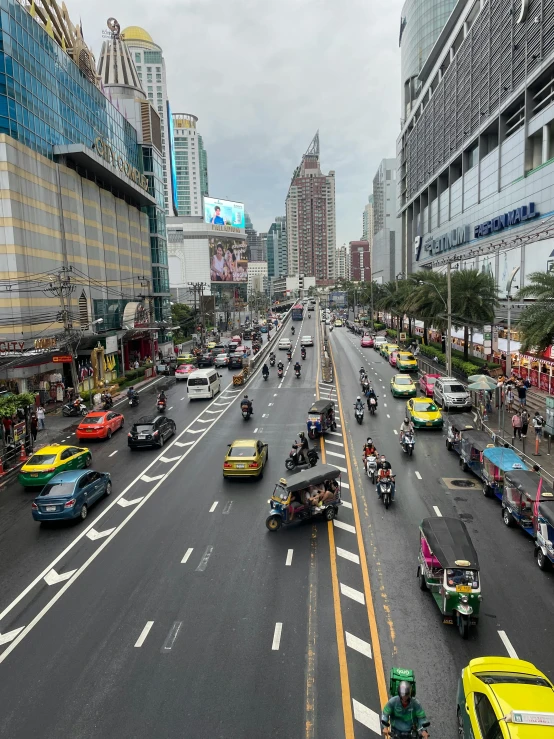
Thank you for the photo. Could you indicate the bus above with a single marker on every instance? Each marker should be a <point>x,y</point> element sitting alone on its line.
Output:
<point>297,312</point>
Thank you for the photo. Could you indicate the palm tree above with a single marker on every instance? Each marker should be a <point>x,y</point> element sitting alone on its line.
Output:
<point>536,324</point>
<point>427,299</point>
<point>392,299</point>
<point>474,301</point>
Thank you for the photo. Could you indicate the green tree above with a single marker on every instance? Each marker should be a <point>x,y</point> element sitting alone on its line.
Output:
<point>536,323</point>
<point>391,300</point>
<point>474,301</point>
<point>183,316</point>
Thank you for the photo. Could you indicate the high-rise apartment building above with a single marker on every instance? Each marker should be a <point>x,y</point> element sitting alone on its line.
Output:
<point>253,240</point>
<point>191,165</point>
<point>342,262</point>
<point>367,221</point>
<point>311,227</point>
<point>387,244</point>
<point>277,248</point>
<point>150,66</point>
<point>360,261</point>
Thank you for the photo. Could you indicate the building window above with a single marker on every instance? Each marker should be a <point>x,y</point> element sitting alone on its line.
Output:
<point>137,57</point>
<point>158,78</point>
<point>83,311</point>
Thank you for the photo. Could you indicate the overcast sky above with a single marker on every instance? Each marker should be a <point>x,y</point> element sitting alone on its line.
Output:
<point>263,75</point>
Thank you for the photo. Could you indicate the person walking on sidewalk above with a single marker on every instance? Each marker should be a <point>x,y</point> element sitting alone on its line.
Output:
<point>509,399</point>
<point>522,394</point>
<point>516,424</point>
<point>524,422</point>
<point>40,417</point>
<point>34,427</point>
<point>538,423</point>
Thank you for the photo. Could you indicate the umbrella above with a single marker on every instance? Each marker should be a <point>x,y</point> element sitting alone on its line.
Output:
<point>483,378</point>
<point>481,385</point>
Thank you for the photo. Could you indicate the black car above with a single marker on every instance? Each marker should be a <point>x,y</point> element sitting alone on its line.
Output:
<point>246,334</point>
<point>151,431</point>
<point>205,360</point>
<point>235,361</point>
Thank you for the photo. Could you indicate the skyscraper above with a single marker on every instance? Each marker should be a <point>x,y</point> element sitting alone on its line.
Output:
<point>150,65</point>
<point>277,248</point>
<point>342,262</point>
<point>255,246</point>
<point>387,244</point>
<point>311,227</point>
<point>367,221</point>
<point>191,165</point>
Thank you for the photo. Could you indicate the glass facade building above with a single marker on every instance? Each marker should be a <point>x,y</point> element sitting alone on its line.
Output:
<point>153,169</point>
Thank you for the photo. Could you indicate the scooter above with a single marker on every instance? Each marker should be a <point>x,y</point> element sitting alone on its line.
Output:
<point>408,443</point>
<point>292,330</point>
<point>70,409</point>
<point>265,375</point>
<point>413,734</point>
<point>246,411</point>
<point>292,460</point>
<point>160,405</point>
<point>133,400</point>
<point>371,467</point>
<point>385,488</point>
<point>289,356</point>
<point>372,406</point>
<point>297,373</point>
<point>280,372</point>
<point>107,402</point>
<point>272,361</point>
<point>303,354</point>
<point>359,412</point>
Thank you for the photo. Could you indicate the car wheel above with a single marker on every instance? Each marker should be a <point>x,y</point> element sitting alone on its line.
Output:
<point>449,445</point>
<point>421,577</point>
<point>162,441</point>
<point>273,523</point>
<point>487,492</point>
<point>83,512</point>
<point>88,460</point>
<point>122,423</point>
<point>542,561</point>
<point>109,434</point>
<point>507,518</point>
<point>108,490</point>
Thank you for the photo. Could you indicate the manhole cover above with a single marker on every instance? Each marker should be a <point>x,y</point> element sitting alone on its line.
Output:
<point>463,483</point>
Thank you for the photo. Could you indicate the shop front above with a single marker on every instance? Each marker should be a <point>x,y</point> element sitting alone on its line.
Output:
<point>38,374</point>
<point>538,369</point>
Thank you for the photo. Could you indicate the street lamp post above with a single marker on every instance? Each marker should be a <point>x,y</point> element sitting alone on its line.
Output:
<point>508,338</point>
<point>449,319</point>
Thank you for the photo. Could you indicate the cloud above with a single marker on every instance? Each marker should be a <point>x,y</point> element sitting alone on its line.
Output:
<point>263,76</point>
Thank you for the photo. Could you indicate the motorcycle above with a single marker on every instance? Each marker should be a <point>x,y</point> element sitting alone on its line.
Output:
<point>372,406</point>
<point>160,405</point>
<point>280,372</point>
<point>293,462</point>
<point>246,411</point>
<point>384,486</point>
<point>371,467</point>
<point>408,443</point>
<point>70,409</point>
<point>272,361</point>
<point>359,412</point>
<point>265,375</point>
<point>292,330</point>
<point>413,734</point>
<point>289,356</point>
<point>107,402</point>
<point>303,354</point>
<point>133,400</point>
<point>297,373</point>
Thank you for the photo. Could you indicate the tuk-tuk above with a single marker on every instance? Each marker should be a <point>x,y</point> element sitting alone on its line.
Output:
<point>321,418</point>
<point>455,425</point>
<point>449,568</point>
<point>474,444</point>
<point>520,496</point>
<point>544,542</point>
<point>496,462</point>
<point>312,492</point>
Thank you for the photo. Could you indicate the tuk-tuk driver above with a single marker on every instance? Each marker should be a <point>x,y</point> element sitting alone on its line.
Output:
<point>404,713</point>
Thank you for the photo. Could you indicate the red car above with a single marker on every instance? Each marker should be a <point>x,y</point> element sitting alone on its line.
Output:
<point>183,371</point>
<point>367,341</point>
<point>243,350</point>
<point>427,384</point>
<point>392,358</point>
<point>236,339</point>
<point>99,425</point>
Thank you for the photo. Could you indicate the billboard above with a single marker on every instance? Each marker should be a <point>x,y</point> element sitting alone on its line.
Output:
<point>223,212</point>
<point>228,262</point>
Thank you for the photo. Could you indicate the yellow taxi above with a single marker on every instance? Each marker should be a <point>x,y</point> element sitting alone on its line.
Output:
<point>402,386</point>
<point>211,344</point>
<point>504,698</point>
<point>48,461</point>
<point>406,362</point>
<point>424,413</point>
<point>245,458</point>
<point>338,323</point>
<point>187,358</point>
<point>386,349</point>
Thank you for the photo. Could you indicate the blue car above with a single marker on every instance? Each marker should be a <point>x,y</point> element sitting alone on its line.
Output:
<point>70,494</point>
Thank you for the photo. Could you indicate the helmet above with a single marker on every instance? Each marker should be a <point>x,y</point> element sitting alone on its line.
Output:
<point>301,435</point>
<point>369,440</point>
<point>358,398</point>
<point>406,420</point>
<point>404,689</point>
<point>246,397</point>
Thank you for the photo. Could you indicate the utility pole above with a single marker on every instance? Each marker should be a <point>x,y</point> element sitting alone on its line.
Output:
<point>62,289</point>
<point>145,282</point>
<point>509,336</point>
<point>449,321</point>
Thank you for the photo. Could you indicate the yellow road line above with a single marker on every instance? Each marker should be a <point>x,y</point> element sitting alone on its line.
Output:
<point>377,655</point>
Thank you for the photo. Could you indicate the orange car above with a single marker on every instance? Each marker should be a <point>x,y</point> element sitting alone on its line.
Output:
<point>99,425</point>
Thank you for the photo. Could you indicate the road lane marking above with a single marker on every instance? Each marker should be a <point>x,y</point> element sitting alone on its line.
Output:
<point>346,504</point>
<point>345,554</point>
<point>10,635</point>
<point>205,557</point>
<point>335,433</point>
<point>508,644</point>
<point>206,420</point>
<point>172,636</point>
<point>183,443</point>
<point>395,432</point>
<point>256,430</point>
<point>196,431</point>
<point>213,412</point>
<point>187,555</point>
<point>264,415</point>
<point>144,633</point>
<point>277,636</point>
<point>288,561</point>
<point>93,535</point>
<point>270,404</point>
<point>182,398</point>
<point>214,506</point>
<point>349,592</point>
<point>335,443</point>
<point>385,405</point>
<point>169,459</point>
<point>388,415</point>
<point>170,408</point>
<point>336,454</point>
<point>146,478</point>
<point>354,642</point>
<point>418,475</point>
<point>345,485</point>
<point>53,578</point>
<point>111,455</point>
<point>342,469</point>
<point>367,717</point>
<point>227,507</point>
<point>345,526</point>
<point>126,503</point>
<point>437,511</point>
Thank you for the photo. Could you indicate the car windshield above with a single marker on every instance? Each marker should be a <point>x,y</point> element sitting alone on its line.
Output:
<point>62,488</point>
<point>42,459</point>
<point>306,338</point>
<point>407,358</point>
<point>242,451</point>
<point>425,407</point>
<point>403,381</point>
<point>92,419</point>
<point>454,389</point>
<point>430,380</point>
<point>144,428</point>
<point>513,678</point>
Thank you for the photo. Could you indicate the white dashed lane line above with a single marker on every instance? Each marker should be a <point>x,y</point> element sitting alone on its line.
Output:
<point>288,561</point>
<point>277,637</point>
<point>214,506</point>
<point>187,555</point>
<point>345,554</point>
<point>144,633</point>
<point>417,475</point>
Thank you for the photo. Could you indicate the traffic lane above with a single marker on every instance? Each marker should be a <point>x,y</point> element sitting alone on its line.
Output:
<point>146,553</point>
<point>503,607</point>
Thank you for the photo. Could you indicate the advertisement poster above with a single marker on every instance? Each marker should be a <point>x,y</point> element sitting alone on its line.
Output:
<point>223,212</point>
<point>228,262</point>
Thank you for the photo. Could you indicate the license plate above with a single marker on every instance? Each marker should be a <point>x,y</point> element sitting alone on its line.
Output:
<point>240,466</point>
<point>34,474</point>
<point>429,423</point>
<point>463,588</point>
<point>50,508</point>
<point>141,436</point>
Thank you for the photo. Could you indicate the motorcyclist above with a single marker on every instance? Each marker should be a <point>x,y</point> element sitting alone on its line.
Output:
<point>271,358</point>
<point>301,447</point>
<point>131,392</point>
<point>384,471</point>
<point>359,404</point>
<point>362,373</point>
<point>369,450</point>
<point>370,393</point>
<point>280,366</point>
<point>406,427</point>
<point>403,713</point>
<point>289,355</point>
<point>303,352</point>
<point>161,397</point>
<point>292,330</point>
<point>297,367</point>
<point>265,370</point>
<point>246,402</point>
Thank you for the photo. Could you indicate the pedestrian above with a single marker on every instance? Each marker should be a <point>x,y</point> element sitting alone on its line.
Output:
<point>40,417</point>
<point>538,423</point>
<point>488,401</point>
<point>522,394</point>
<point>7,423</point>
<point>34,426</point>
<point>509,399</point>
<point>516,424</point>
<point>524,422</point>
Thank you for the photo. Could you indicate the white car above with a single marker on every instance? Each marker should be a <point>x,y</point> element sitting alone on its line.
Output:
<point>307,341</point>
<point>285,344</point>
<point>328,322</point>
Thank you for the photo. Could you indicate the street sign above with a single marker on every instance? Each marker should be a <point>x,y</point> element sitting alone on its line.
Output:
<point>402,337</point>
<point>66,359</point>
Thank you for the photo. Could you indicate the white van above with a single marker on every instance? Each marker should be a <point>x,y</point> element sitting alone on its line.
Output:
<point>203,383</point>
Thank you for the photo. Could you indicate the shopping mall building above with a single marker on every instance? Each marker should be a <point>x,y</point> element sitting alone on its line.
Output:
<point>80,197</point>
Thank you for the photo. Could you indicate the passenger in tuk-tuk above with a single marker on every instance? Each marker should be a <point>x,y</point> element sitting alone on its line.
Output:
<point>457,576</point>
<point>297,500</point>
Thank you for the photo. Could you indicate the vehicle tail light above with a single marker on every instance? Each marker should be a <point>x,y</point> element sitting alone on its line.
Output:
<point>129,434</point>
<point>227,465</point>
<point>34,506</point>
<point>156,433</point>
<point>70,503</point>
<point>252,465</point>
<point>49,469</point>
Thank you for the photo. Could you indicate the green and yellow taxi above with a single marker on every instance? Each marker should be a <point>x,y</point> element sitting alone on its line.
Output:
<point>402,386</point>
<point>245,458</point>
<point>338,323</point>
<point>211,345</point>
<point>48,461</point>
<point>387,348</point>
<point>424,413</point>
<point>187,358</point>
<point>504,698</point>
<point>406,362</point>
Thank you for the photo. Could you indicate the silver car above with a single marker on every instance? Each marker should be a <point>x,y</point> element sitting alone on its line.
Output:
<point>222,360</point>
<point>307,341</point>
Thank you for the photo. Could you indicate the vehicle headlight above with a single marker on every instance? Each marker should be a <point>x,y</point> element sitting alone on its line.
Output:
<point>464,599</point>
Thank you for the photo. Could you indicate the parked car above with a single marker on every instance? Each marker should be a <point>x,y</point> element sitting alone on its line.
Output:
<point>99,425</point>
<point>450,393</point>
<point>70,494</point>
<point>151,431</point>
<point>366,341</point>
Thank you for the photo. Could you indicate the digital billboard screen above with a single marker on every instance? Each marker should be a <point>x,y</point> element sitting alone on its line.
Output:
<point>228,262</point>
<point>223,212</point>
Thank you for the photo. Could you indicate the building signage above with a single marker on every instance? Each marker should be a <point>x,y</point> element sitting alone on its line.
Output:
<point>216,227</point>
<point>46,343</point>
<point>64,358</point>
<point>12,347</point>
<point>512,218</point>
<point>109,155</point>
<point>451,240</point>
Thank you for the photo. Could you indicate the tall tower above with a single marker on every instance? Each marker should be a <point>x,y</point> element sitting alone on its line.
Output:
<point>191,165</point>
<point>150,65</point>
<point>311,226</point>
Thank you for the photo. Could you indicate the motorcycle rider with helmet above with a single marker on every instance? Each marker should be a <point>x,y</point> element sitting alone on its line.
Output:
<point>406,427</point>
<point>370,393</point>
<point>358,404</point>
<point>132,393</point>
<point>404,713</point>
<point>265,370</point>
<point>297,367</point>
<point>247,403</point>
<point>369,450</point>
<point>271,358</point>
<point>301,448</point>
<point>384,469</point>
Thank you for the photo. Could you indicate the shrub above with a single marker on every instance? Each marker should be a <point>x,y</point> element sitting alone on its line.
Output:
<point>392,333</point>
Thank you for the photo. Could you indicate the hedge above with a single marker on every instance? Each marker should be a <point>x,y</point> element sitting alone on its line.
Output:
<point>477,361</point>
<point>466,368</point>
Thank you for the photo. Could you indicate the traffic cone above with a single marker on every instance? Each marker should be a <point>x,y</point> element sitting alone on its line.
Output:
<point>23,456</point>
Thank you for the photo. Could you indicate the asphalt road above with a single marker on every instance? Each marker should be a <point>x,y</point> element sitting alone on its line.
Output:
<point>518,599</point>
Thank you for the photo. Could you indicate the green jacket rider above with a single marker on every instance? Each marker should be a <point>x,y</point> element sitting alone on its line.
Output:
<point>404,712</point>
